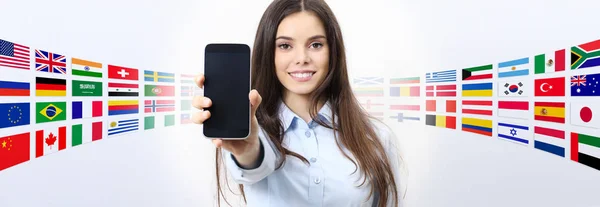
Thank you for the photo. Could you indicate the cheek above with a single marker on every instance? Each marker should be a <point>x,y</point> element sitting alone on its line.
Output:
<point>321,59</point>
<point>281,62</point>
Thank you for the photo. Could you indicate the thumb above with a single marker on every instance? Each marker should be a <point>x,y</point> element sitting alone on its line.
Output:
<point>255,100</point>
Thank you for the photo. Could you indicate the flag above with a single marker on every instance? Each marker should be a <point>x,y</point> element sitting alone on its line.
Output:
<point>14,150</point>
<point>550,87</point>
<point>186,105</point>
<point>10,88</point>
<point>186,119</point>
<point>151,122</point>
<point>368,104</point>
<point>413,91</point>
<point>477,107</point>
<point>118,72</point>
<point>477,89</point>
<point>408,107</point>
<point>585,85</point>
<point>477,126</point>
<point>550,112</point>
<point>86,109</point>
<point>158,90</point>
<point>440,76</point>
<point>50,87</point>
<point>550,62</point>
<point>440,121</point>
<point>120,107</point>
<point>87,68</point>
<point>50,62</point>
<point>154,76</point>
<point>585,149</point>
<point>49,140</point>
<point>86,88</point>
<point>50,111</point>
<point>402,118</point>
<point>186,79</point>
<point>14,55</point>
<point>407,80</point>
<point>514,68</point>
<point>513,89</point>
<point>123,89</point>
<point>440,106</point>
<point>151,106</point>
<point>585,114</point>
<point>514,132</point>
<point>585,55</point>
<point>368,91</point>
<point>549,140</point>
<point>122,127</point>
<point>368,80</point>
<point>84,133</point>
<point>14,114</point>
<point>405,111</point>
<point>187,91</point>
<point>440,91</point>
<point>478,73</point>
<point>513,109</point>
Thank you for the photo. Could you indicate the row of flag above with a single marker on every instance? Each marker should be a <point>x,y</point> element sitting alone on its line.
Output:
<point>556,112</point>
<point>63,119</point>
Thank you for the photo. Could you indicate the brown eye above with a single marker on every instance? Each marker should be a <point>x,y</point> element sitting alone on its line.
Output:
<point>316,45</point>
<point>284,46</point>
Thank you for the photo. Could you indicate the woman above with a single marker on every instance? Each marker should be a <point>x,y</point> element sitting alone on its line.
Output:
<point>310,144</point>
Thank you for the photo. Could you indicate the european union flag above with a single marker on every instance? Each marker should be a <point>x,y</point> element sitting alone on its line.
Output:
<point>585,85</point>
<point>14,114</point>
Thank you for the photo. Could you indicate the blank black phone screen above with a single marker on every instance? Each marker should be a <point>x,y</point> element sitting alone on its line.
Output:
<point>227,84</point>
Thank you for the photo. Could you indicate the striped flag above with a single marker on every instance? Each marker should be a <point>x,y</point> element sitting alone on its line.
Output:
<point>401,117</point>
<point>151,122</point>
<point>477,126</point>
<point>50,140</point>
<point>478,73</point>
<point>585,149</point>
<point>368,91</point>
<point>440,91</point>
<point>151,106</point>
<point>187,91</point>
<point>440,106</point>
<point>50,62</point>
<point>186,79</point>
<point>513,109</point>
<point>403,91</point>
<point>86,68</point>
<point>549,140</point>
<point>123,89</point>
<point>550,112</point>
<point>369,105</point>
<point>120,107</point>
<point>477,107</point>
<point>405,111</point>
<point>586,55</point>
<point>518,133</point>
<point>407,80</point>
<point>550,62</point>
<point>155,76</point>
<point>122,127</point>
<point>86,109</point>
<point>50,86</point>
<point>14,55</point>
<point>368,81</point>
<point>513,68</point>
<point>440,76</point>
<point>85,133</point>
<point>440,121</point>
<point>11,88</point>
<point>477,90</point>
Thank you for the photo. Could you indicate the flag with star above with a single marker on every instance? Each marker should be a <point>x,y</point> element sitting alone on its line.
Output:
<point>514,132</point>
<point>585,85</point>
<point>14,149</point>
<point>14,114</point>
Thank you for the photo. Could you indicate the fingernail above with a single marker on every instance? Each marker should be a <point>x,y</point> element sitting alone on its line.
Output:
<point>206,100</point>
<point>205,113</point>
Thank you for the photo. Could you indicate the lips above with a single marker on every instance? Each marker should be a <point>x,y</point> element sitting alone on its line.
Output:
<point>302,76</point>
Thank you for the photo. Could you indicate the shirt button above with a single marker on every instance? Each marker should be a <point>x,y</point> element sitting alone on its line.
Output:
<point>307,133</point>
<point>313,160</point>
<point>317,180</point>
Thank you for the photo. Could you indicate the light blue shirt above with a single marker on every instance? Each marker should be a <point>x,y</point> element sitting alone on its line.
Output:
<point>327,181</point>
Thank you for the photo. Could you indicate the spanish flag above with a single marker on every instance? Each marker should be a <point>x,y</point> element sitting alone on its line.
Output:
<point>550,112</point>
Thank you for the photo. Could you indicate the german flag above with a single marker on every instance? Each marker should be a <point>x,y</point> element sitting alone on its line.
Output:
<point>50,87</point>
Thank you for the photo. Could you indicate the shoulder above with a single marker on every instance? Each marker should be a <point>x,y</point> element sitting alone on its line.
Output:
<point>384,132</point>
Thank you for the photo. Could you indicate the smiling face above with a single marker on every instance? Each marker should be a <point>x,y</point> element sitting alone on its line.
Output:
<point>301,53</point>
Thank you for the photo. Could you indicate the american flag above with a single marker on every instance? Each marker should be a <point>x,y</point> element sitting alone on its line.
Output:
<point>14,55</point>
<point>50,62</point>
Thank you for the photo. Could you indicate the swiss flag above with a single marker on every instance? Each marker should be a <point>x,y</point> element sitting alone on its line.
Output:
<point>550,87</point>
<point>118,72</point>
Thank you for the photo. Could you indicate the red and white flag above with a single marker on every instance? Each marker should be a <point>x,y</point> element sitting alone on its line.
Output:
<point>49,140</point>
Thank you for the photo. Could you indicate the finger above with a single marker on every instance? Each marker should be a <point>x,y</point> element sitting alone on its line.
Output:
<point>218,142</point>
<point>255,100</point>
<point>201,102</point>
<point>199,79</point>
<point>200,116</point>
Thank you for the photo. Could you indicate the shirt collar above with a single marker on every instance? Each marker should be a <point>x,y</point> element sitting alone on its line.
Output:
<point>287,116</point>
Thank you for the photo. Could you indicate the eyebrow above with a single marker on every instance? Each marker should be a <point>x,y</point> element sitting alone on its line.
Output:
<point>311,38</point>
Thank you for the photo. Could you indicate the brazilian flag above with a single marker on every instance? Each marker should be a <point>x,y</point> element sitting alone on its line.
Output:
<point>50,111</point>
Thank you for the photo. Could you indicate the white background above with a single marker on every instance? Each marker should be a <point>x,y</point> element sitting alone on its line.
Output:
<point>175,166</point>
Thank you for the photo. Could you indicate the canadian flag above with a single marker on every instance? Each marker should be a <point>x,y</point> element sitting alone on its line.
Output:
<point>50,140</point>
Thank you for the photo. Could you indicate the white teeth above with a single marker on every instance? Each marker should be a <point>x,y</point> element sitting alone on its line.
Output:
<point>301,75</point>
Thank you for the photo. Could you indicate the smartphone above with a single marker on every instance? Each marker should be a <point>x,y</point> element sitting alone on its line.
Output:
<point>227,84</point>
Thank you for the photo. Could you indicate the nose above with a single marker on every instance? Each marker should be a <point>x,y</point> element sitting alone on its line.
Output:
<point>302,57</point>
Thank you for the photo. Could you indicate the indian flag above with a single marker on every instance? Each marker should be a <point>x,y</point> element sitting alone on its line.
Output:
<point>86,68</point>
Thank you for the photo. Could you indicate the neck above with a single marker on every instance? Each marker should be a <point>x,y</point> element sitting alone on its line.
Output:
<point>300,104</point>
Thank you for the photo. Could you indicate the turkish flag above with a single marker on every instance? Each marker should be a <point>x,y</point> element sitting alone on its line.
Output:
<point>550,87</point>
<point>118,72</point>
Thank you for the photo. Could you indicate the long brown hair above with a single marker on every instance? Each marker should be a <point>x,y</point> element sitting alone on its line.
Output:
<point>354,128</point>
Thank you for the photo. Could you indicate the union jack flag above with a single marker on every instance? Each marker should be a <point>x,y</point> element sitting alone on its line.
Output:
<point>50,62</point>
<point>578,80</point>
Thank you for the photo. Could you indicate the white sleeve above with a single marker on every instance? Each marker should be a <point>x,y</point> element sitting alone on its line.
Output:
<point>251,176</point>
<point>397,162</point>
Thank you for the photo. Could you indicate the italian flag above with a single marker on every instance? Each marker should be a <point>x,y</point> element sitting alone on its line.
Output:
<point>84,133</point>
<point>86,68</point>
<point>50,140</point>
<point>151,122</point>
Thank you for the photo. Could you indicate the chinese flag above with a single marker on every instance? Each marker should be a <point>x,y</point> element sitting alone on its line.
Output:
<point>550,87</point>
<point>14,150</point>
